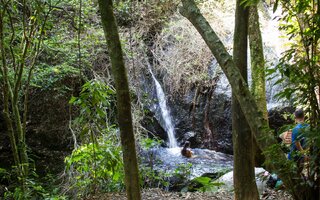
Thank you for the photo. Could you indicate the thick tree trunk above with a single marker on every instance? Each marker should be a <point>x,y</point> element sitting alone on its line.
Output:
<point>123,100</point>
<point>258,125</point>
<point>258,87</point>
<point>245,187</point>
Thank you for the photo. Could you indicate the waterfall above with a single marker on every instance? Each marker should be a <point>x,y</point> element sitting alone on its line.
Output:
<point>165,113</point>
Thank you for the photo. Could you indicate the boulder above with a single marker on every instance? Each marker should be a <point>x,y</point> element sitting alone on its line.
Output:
<point>261,180</point>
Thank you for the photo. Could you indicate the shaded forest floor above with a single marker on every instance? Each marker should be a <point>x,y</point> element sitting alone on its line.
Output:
<point>158,194</point>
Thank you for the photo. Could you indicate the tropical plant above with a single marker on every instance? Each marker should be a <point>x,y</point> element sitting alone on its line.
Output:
<point>299,68</point>
<point>96,101</point>
<point>95,167</point>
<point>300,64</point>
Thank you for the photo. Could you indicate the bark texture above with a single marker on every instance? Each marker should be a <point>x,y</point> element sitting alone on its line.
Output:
<point>258,87</point>
<point>258,125</point>
<point>123,100</point>
<point>245,187</point>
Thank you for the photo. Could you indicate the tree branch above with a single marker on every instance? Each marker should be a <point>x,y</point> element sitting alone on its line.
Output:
<point>257,123</point>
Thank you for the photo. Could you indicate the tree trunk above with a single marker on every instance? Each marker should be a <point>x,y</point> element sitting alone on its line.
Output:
<point>258,87</point>
<point>123,100</point>
<point>7,92</point>
<point>17,140</point>
<point>277,162</point>
<point>245,187</point>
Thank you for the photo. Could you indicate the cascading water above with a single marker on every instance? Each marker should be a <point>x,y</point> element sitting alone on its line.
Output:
<point>165,113</point>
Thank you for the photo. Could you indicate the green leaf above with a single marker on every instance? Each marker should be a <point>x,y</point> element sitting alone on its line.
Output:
<point>275,6</point>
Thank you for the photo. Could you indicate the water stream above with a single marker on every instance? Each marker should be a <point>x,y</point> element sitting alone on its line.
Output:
<point>165,112</point>
<point>203,160</point>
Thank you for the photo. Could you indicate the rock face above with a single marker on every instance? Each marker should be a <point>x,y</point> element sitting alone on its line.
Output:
<point>188,114</point>
<point>205,122</point>
<point>190,117</point>
<point>48,131</point>
<point>48,135</point>
<point>189,120</point>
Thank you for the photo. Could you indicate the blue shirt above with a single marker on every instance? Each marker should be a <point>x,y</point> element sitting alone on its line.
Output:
<point>297,136</point>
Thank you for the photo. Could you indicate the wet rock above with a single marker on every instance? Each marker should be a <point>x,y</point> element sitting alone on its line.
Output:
<point>261,181</point>
<point>189,117</point>
<point>155,130</point>
<point>277,117</point>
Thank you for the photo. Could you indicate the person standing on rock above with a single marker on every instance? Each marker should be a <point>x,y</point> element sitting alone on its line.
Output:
<point>298,143</point>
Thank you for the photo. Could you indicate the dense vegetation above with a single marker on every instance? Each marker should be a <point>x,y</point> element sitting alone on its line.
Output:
<point>62,54</point>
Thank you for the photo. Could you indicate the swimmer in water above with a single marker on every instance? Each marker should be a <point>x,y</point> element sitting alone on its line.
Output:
<point>186,152</point>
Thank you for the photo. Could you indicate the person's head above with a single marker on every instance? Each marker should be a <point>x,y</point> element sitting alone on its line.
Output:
<point>299,115</point>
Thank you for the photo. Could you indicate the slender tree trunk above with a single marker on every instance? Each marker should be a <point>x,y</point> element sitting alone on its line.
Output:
<point>258,125</point>
<point>243,171</point>
<point>258,87</point>
<point>123,100</point>
<point>7,92</point>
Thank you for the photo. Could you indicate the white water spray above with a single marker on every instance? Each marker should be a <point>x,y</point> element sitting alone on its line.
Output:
<point>165,113</point>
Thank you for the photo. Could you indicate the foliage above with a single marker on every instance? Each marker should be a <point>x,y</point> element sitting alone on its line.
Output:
<point>95,167</point>
<point>151,178</point>
<point>96,103</point>
<point>202,184</point>
<point>34,188</point>
<point>300,70</point>
<point>161,178</point>
<point>49,77</point>
<point>299,65</point>
<point>57,58</point>
<point>97,164</point>
<point>183,170</point>
<point>148,143</point>
<point>23,27</point>
<point>186,63</point>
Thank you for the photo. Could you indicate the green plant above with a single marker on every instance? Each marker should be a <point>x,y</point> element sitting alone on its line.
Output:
<point>153,178</point>
<point>23,27</point>
<point>95,167</point>
<point>299,65</point>
<point>97,164</point>
<point>148,143</point>
<point>299,70</point>
<point>34,188</point>
<point>48,77</point>
<point>202,184</point>
<point>183,170</point>
<point>96,101</point>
